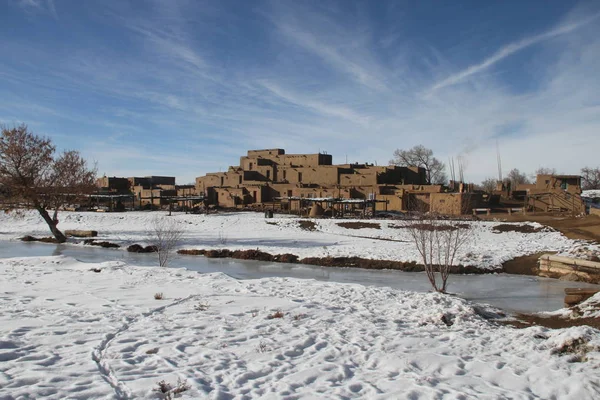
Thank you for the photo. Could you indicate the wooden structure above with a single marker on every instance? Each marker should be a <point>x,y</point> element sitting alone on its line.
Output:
<point>574,296</point>
<point>335,206</point>
<point>552,266</point>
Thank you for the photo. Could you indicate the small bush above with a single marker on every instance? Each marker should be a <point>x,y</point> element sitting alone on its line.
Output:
<point>276,314</point>
<point>167,391</point>
<point>222,238</point>
<point>158,296</point>
<point>202,306</point>
<point>262,347</point>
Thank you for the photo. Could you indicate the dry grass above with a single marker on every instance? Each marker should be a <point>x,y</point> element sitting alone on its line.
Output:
<point>516,228</point>
<point>359,225</point>
<point>307,225</point>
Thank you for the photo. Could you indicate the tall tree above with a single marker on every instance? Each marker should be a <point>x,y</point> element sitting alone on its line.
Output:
<point>590,178</point>
<point>420,156</point>
<point>31,172</point>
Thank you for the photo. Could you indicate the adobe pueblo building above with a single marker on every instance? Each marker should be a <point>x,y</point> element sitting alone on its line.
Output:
<point>145,192</point>
<point>273,178</point>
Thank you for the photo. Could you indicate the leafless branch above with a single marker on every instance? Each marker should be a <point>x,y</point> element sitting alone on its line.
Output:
<point>165,234</point>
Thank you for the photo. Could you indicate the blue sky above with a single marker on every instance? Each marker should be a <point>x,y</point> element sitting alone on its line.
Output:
<point>185,87</point>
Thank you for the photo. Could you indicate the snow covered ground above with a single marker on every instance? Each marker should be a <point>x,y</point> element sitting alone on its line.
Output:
<point>591,194</point>
<point>67,331</point>
<point>283,234</point>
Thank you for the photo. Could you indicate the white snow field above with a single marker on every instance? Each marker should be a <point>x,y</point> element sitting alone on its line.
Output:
<point>68,331</point>
<point>486,248</point>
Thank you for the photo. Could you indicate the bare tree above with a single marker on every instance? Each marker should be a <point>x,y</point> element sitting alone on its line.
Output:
<point>489,185</point>
<point>30,172</point>
<point>545,171</point>
<point>516,177</point>
<point>590,178</point>
<point>438,241</point>
<point>164,235</point>
<point>420,156</point>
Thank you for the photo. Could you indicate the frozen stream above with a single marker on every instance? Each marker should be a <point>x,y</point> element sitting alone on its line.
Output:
<point>509,292</point>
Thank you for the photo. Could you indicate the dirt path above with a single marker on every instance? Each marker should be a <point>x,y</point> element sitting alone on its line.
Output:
<point>586,227</point>
<point>553,322</point>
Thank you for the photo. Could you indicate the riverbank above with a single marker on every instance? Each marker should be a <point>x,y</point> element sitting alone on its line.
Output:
<point>105,329</point>
<point>491,245</point>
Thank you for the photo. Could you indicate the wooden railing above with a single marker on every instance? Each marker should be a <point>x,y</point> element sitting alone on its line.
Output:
<point>556,202</point>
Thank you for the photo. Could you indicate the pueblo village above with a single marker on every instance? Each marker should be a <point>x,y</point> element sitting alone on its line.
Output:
<point>172,226</point>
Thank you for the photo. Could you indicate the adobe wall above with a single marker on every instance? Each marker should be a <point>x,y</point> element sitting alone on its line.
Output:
<point>358,179</point>
<point>454,203</point>
<point>113,183</point>
<point>324,175</point>
<point>394,203</point>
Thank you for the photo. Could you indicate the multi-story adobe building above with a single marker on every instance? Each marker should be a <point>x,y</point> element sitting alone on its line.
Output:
<point>266,175</point>
<point>154,191</point>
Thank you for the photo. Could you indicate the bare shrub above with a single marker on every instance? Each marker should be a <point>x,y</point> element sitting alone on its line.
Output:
<point>276,314</point>
<point>164,235</point>
<point>262,347</point>
<point>202,306</point>
<point>438,242</point>
<point>167,391</point>
<point>222,238</point>
<point>158,296</point>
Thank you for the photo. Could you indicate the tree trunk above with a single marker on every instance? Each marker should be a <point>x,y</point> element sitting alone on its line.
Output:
<point>60,237</point>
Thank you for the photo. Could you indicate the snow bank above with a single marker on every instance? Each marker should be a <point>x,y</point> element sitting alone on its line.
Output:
<point>486,249</point>
<point>67,331</point>
<point>591,194</point>
<point>586,309</point>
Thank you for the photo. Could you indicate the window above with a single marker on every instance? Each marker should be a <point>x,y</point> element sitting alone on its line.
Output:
<point>240,179</point>
<point>250,167</point>
<point>564,185</point>
<point>299,176</point>
<point>284,174</point>
<point>268,174</point>
<point>222,181</point>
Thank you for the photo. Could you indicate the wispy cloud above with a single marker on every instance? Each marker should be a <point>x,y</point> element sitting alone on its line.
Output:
<point>175,96</point>
<point>338,46</point>
<point>39,6</point>
<point>320,107</point>
<point>510,49</point>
